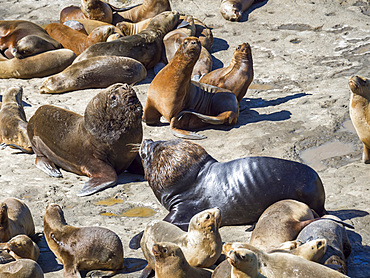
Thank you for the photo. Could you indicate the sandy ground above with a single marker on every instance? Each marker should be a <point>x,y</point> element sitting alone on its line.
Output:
<point>296,108</point>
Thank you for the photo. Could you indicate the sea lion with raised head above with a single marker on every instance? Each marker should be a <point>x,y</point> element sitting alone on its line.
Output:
<point>22,268</point>
<point>81,248</point>
<point>233,9</point>
<point>237,76</point>
<point>98,144</point>
<point>244,264</point>
<point>21,247</point>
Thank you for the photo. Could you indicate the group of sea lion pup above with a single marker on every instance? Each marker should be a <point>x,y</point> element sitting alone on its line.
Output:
<point>105,142</point>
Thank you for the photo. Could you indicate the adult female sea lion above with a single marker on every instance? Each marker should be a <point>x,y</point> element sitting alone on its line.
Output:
<point>15,219</point>
<point>243,263</point>
<point>146,47</point>
<point>84,248</point>
<point>237,76</point>
<point>98,144</point>
<point>186,104</point>
<point>95,72</point>
<point>21,247</point>
<point>13,122</point>
<point>359,111</point>
<point>233,9</point>
<point>22,268</point>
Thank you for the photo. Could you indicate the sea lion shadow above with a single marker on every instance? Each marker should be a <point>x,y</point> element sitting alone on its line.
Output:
<point>345,214</point>
<point>134,264</point>
<point>127,177</point>
<point>258,4</point>
<point>358,263</point>
<point>216,63</point>
<point>219,45</point>
<point>259,102</point>
<point>47,259</point>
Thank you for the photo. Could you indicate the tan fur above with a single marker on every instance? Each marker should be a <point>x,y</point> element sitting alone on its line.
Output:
<point>21,247</point>
<point>128,28</point>
<point>22,268</point>
<point>233,9</point>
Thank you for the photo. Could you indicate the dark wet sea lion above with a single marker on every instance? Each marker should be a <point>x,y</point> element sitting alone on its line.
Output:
<point>98,144</point>
<point>21,247</point>
<point>81,248</point>
<point>22,268</point>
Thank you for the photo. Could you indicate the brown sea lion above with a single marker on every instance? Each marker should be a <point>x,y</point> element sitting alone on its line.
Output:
<point>360,112</point>
<point>98,144</point>
<point>89,25</point>
<point>204,34</point>
<point>81,248</point>
<point>146,47</point>
<point>95,72</point>
<point>186,104</point>
<point>75,25</point>
<point>75,40</point>
<point>13,122</point>
<point>21,38</point>
<point>244,264</point>
<point>5,257</point>
<point>237,76</point>
<point>21,247</point>
<point>170,262</point>
<point>233,9</point>
<point>40,65</point>
<point>15,219</point>
<point>129,28</point>
<point>22,268</point>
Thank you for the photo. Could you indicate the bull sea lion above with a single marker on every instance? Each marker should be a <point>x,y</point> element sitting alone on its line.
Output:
<point>40,65</point>
<point>237,76</point>
<point>21,247</point>
<point>98,144</point>
<point>187,104</point>
<point>22,268</point>
<point>75,40</point>
<point>15,219</point>
<point>359,112</point>
<point>233,9</point>
<point>95,72</point>
<point>21,38</point>
<point>84,248</point>
<point>146,47</point>
<point>170,262</point>
<point>13,122</point>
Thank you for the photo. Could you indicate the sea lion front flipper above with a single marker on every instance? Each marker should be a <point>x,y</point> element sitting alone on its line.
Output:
<point>95,184</point>
<point>46,165</point>
<point>135,241</point>
<point>147,271</point>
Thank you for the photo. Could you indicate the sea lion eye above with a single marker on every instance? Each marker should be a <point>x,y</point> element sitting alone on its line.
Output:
<point>165,250</point>
<point>208,216</point>
<point>238,48</point>
<point>185,42</point>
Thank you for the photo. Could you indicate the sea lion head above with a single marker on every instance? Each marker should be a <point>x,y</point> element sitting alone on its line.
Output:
<point>112,112</point>
<point>244,260</point>
<point>208,221</point>
<point>167,253</point>
<point>3,215</point>
<point>54,216</point>
<point>231,10</point>
<point>166,162</point>
<point>21,246</point>
<point>164,22</point>
<point>190,48</point>
<point>31,45</point>
<point>243,52</point>
<point>5,257</point>
<point>360,86</point>
<point>13,94</point>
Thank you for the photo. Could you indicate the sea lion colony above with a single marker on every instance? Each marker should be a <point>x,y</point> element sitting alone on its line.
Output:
<point>111,133</point>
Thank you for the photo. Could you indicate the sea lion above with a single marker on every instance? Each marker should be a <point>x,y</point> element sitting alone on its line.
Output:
<point>75,25</point>
<point>170,262</point>
<point>40,65</point>
<point>89,25</point>
<point>187,104</point>
<point>281,222</point>
<point>204,34</point>
<point>75,40</point>
<point>22,268</point>
<point>15,219</point>
<point>243,263</point>
<point>233,9</point>
<point>339,246</point>
<point>13,122</point>
<point>5,257</point>
<point>95,72</point>
<point>21,38</point>
<point>359,112</point>
<point>146,47</point>
<point>21,247</point>
<point>201,245</point>
<point>98,144</point>
<point>81,248</point>
<point>237,76</point>
<point>129,28</point>
<point>189,180</point>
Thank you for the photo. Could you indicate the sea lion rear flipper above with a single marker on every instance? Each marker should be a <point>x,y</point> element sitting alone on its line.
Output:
<point>147,271</point>
<point>184,134</point>
<point>46,165</point>
<point>214,120</point>
<point>95,184</point>
<point>13,146</point>
<point>135,241</point>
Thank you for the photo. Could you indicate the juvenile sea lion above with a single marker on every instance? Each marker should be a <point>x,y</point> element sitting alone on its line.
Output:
<point>233,9</point>
<point>39,65</point>
<point>359,112</point>
<point>75,40</point>
<point>237,76</point>
<point>170,262</point>
<point>95,72</point>
<point>146,47</point>
<point>21,38</point>
<point>129,28</point>
<point>21,247</point>
<point>15,219</point>
<point>22,268</point>
<point>84,248</point>
<point>98,144</point>
<point>13,123</point>
<point>90,25</point>
<point>186,104</point>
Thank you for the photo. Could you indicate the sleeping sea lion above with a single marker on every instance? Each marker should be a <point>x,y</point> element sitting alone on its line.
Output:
<point>22,268</point>
<point>233,9</point>
<point>21,247</point>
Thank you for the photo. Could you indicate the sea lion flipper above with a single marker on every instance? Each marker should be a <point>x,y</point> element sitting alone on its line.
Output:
<point>184,134</point>
<point>95,184</point>
<point>135,241</point>
<point>47,166</point>
<point>205,118</point>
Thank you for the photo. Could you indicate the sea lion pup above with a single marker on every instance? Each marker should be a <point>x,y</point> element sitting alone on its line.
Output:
<point>22,268</point>
<point>170,262</point>
<point>339,246</point>
<point>21,38</point>
<point>84,248</point>
<point>146,47</point>
<point>359,112</point>
<point>13,123</point>
<point>40,65</point>
<point>95,72</point>
<point>186,104</point>
<point>75,40</point>
<point>233,9</point>
<point>21,247</point>
<point>129,28</point>
<point>98,144</point>
<point>243,263</point>
<point>15,219</point>
<point>237,76</point>
<point>201,245</point>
